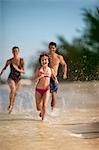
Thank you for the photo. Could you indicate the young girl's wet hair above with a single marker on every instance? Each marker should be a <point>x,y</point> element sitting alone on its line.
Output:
<point>42,55</point>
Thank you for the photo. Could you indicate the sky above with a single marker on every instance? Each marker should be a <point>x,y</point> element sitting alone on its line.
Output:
<point>29,24</point>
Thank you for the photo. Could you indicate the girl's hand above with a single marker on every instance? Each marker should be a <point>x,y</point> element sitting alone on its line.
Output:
<point>41,76</point>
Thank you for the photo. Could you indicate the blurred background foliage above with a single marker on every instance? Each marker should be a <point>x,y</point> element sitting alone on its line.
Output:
<point>82,54</point>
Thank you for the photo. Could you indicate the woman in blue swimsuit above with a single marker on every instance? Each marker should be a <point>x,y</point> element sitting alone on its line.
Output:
<point>16,69</point>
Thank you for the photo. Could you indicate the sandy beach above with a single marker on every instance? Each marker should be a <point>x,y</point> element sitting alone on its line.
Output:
<point>73,126</point>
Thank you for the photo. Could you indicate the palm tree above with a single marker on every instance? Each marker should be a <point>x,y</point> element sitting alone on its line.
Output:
<point>90,37</point>
<point>83,53</point>
<point>91,32</point>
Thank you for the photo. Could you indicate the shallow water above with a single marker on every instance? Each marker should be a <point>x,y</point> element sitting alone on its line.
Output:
<point>73,126</point>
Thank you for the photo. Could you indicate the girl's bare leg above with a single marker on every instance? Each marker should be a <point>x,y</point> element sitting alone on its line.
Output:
<point>45,103</point>
<point>38,98</point>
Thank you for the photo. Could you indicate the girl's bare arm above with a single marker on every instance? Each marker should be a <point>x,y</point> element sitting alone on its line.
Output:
<point>37,77</point>
<point>53,74</point>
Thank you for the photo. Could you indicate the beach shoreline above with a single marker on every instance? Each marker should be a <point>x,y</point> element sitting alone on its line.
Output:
<point>74,125</point>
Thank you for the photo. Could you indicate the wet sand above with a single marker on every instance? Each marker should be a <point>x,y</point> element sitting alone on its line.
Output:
<point>73,126</point>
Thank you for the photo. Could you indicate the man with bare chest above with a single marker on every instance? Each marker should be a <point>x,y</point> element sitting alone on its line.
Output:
<point>55,61</point>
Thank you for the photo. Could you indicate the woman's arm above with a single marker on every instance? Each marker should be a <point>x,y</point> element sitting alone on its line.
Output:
<point>5,67</point>
<point>22,64</point>
<point>18,69</point>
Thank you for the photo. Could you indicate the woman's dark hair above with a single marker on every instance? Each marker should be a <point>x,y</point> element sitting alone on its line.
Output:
<point>42,55</point>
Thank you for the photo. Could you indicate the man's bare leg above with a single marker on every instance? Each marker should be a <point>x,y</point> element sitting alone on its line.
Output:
<point>53,102</point>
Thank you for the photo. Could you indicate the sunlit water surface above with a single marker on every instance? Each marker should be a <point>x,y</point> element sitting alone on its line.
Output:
<point>74,125</point>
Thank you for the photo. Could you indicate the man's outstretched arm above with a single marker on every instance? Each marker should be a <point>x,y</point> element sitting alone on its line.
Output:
<point>64,67</point>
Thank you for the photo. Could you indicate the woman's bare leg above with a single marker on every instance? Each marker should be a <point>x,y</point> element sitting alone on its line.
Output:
<point>12,86</point>
<point>18,85</point>
<point>13,91</point>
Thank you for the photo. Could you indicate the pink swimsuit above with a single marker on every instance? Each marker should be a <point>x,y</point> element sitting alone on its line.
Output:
<point>43,91</point>
<point>48,72</point>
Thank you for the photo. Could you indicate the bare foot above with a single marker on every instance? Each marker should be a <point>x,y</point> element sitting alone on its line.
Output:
<point>10,108</point>
<point>40,114</point>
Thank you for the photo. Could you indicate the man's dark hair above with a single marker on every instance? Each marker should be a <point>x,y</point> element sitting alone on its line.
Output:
<point>52,43</point>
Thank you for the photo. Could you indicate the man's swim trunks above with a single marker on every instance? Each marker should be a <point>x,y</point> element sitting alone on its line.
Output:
<point>53,86</point>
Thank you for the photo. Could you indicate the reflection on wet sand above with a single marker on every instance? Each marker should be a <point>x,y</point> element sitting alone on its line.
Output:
<point>84,130</point>
<point>73,126</point>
